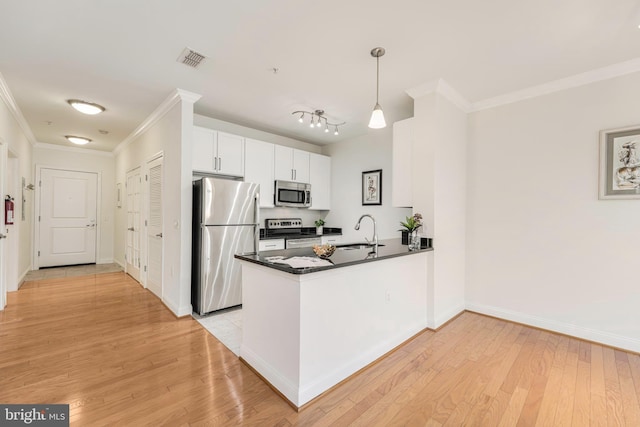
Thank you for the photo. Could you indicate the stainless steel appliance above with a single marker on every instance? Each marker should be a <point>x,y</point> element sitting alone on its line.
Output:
<point>292,194</point>
<point>225,222</point>
<point>302,242</point>
<point>291,230</point>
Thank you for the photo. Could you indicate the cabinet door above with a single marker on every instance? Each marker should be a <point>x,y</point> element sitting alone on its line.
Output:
<point>203,154</point>
<point>320,180</point>
<point>331,239</point>
<point>301,166</point>
<point>230,154</point>
<point>271,245</point>
<point>258,167</point>
<point>283,163</point>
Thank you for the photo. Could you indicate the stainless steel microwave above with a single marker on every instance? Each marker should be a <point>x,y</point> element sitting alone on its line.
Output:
<point>292,194</point>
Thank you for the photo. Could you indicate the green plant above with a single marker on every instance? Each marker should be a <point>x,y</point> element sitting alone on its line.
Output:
<point>319,222</point>
<point>412,223</point>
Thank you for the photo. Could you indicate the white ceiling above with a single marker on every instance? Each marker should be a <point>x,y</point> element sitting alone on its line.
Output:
<point>122,54</point>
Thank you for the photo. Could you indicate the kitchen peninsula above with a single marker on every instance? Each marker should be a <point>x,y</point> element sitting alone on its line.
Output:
<point>307,329</point>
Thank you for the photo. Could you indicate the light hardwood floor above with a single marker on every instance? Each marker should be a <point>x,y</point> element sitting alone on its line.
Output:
<point>113,352</point>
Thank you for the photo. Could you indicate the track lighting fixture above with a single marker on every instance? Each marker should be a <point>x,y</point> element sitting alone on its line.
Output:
<point>318,120</point>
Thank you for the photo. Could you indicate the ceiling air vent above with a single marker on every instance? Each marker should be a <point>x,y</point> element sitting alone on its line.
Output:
<point>191,58</point>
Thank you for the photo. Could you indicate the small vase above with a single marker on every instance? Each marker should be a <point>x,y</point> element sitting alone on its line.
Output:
<point>319,230</point>
<point>414,243</point>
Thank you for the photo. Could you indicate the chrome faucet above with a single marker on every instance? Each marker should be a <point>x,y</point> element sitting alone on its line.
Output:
<point>374,241</point>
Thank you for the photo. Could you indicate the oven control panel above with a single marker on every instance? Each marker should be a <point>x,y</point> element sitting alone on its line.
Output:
<point>283,223</point>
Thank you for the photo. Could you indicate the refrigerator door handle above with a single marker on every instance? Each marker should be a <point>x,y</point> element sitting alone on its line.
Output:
<point>256,235</point>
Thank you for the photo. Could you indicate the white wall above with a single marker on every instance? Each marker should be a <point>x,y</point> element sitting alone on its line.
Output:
<point>169,132</point>
<point>85,160</point>
<point>348,160</point>
<point>542,249</point>
<point>211,123</point>
<point>18,144</point>
<point>439,193</point>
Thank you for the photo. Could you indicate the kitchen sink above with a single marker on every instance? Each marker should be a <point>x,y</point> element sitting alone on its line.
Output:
<point>354,246</point>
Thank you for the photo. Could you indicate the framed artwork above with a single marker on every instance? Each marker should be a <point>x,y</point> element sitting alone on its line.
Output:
<point>372,187</point>
<point>620,163</point>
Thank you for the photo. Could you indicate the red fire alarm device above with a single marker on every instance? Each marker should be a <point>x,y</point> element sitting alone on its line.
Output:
<point>9,209</point>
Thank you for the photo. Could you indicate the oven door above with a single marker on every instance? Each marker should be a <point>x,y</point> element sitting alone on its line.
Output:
<point>303,243</point>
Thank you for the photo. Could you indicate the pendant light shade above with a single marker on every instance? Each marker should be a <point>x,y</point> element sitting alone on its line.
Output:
<point>377,116</point>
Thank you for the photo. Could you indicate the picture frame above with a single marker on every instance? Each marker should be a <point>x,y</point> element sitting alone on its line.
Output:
<point>619,176</point>
<point>372,187</point>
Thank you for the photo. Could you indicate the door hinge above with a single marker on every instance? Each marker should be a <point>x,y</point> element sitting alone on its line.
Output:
<point>39,183</point>
<point>146,177</point>
<point>38,253</point>
<point>145,222</point>
<point>38,218</point>
<point>145,268</point>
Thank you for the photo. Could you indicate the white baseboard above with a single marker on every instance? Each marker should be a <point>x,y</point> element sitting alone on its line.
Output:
<point>448,315</point>
<point>105,261</point>
<point>302,393</point>
<point>179,311</point>
<point>571,329</point>
<point>117,261</point>
<point>272,375</point>
<point>22,276</point>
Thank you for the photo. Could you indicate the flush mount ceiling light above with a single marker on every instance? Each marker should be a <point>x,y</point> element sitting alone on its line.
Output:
<point>86,107</point>
<point>78,140</point>
<point>377,116</point>
<point>318,120</point>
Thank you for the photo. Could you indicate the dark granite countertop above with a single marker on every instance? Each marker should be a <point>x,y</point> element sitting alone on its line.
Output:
<point>341,257</point>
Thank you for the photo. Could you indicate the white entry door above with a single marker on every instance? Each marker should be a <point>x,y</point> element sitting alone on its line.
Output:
<point>154,227</point>
<point>134,225</point>
<point>68,210</point>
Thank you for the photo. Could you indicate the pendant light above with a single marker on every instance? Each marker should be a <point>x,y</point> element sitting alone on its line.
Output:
<point>377,116</point>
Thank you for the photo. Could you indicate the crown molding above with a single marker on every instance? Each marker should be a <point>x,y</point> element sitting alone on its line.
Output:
<point>9,100</point>
<point>176,96</point>
<point>443,88</point>
<point>78,150</point>
<point>588,77</point>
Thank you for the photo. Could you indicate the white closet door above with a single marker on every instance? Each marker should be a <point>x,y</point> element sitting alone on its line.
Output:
<point>68,210</point>
<point>154,228</point>
<point>134,225</point>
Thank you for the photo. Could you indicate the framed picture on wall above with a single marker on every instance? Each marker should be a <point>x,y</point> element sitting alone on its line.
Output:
<point>620,163</point>
<point>372,187</point>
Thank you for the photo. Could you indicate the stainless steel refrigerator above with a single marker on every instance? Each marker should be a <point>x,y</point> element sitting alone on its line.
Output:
<point>225,222</point>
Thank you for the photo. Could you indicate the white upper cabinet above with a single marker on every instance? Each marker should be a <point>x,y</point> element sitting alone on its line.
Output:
<point>320,180</point>
<point>217,152</point>
<point>258,167</point>
<point>401,169</point>
<point>291,164</point>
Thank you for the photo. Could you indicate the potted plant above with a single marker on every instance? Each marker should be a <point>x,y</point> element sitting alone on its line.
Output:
<point>410,225</point>
<point>319,226</point>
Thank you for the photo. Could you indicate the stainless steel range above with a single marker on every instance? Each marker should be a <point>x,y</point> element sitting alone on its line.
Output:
<point>292,231</point>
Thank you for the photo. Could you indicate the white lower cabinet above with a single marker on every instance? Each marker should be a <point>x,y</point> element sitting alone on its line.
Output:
<point>271,245</point>
<point>331,240</point>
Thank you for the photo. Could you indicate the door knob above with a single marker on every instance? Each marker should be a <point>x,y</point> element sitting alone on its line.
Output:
<point>159,235</point>
<point>131,229</point>
<point>3,236</point>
